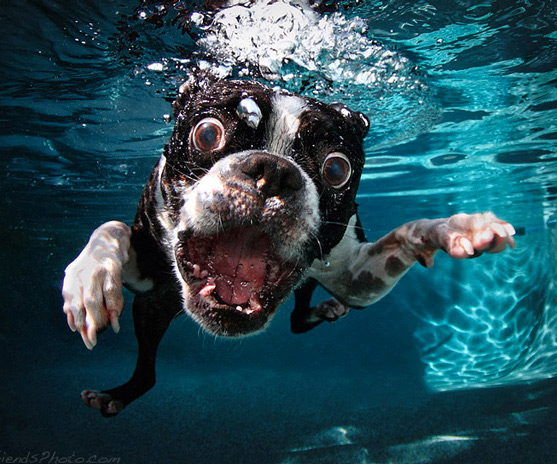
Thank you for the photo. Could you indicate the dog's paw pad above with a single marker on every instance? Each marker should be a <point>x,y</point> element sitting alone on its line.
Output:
<point>330,310</point>
<point>104,402</point>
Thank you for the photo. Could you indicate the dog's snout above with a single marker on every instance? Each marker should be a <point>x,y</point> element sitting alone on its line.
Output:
<point>273,175</point>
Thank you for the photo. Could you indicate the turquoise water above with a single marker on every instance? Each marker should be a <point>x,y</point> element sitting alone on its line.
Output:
<point>457,364</point>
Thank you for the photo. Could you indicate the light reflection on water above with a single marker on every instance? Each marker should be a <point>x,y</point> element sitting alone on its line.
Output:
<point>499,323</point>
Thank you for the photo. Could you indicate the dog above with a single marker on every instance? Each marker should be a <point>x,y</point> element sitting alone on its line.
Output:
<point>253,198</point>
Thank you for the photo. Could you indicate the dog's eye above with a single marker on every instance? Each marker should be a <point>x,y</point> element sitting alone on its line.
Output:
<point>208,134</point>
<point>336,170</point>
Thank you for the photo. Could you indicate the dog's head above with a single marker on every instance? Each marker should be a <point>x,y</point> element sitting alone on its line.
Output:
<point>259,182</point>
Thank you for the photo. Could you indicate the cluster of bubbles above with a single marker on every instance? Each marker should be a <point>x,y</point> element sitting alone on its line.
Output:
<point>269,35</point>
<point>329,56</point>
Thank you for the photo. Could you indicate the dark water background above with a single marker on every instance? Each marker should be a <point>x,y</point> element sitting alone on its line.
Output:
<point>456,365</point>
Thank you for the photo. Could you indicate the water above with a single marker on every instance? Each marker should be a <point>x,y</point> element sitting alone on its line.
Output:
<point>456,365</point>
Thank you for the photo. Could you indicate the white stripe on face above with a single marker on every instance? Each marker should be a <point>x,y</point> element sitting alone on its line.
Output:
<point>284,123</point>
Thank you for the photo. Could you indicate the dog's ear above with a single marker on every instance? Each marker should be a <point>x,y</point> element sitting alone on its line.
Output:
<point>358,120</point>
<point>197,81</point>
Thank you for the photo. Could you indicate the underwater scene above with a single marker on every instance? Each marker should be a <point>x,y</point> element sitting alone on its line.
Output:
<point>457,364</point>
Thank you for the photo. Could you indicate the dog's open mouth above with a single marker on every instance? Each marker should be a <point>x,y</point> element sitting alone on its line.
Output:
<point>236,279</point>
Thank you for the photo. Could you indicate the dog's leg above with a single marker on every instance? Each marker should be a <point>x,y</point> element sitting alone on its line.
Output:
<point>152,314</point>
<point>304,317</point>
<point>92,288</point>
<point>365,272</point>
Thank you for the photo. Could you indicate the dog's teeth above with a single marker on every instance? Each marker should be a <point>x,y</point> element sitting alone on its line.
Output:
<point>207,290</point>
<point>239,308</point>
<point>254,303</point>
<point>197,271</point>
<point>204,274</point>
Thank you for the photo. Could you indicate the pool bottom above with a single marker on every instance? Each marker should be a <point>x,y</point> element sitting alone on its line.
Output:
<point>280,417</point>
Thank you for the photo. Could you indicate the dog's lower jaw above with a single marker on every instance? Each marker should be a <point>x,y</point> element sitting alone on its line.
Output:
<point>227,320</point>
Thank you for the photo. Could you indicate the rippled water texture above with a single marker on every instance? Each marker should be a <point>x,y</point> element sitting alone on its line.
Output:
<point>462,99</point>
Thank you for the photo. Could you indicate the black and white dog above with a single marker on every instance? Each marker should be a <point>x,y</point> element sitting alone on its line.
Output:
<point>253,198</point>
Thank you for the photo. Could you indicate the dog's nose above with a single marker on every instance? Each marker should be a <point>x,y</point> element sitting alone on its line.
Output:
<point>273,175</point>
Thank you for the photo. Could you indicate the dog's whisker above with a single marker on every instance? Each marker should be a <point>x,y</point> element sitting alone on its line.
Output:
<point>220,223</point>
<point>316,237</point>
<point>293,269</point>
<point>355,226</point>
<point>190,175</point>
<point>201,335</point>
<point>180,311</point>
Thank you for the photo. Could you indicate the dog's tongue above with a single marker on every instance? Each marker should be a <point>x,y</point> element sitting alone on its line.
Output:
<point>239,260</point>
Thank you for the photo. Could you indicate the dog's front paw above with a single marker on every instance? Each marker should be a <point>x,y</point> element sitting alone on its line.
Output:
<point>468,236</point>
<point>92,288</point>
<point>308,318</point>
<point>329,310</point>
<point>104,402</point>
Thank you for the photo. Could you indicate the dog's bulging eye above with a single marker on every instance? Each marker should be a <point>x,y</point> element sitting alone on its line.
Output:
<point>208,135</point>
<point>336,170</point>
